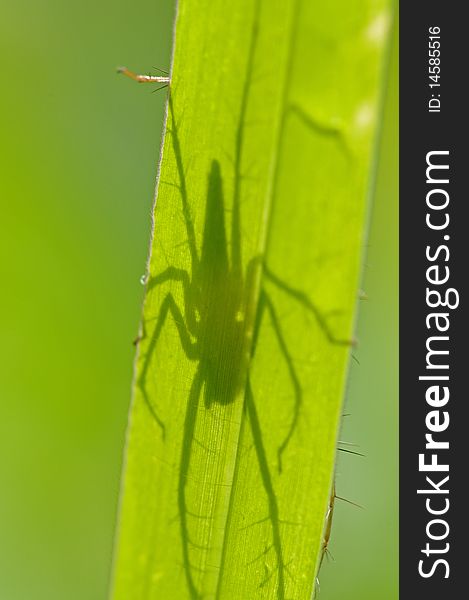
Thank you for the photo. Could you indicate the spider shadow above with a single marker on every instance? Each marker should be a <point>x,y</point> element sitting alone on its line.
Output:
<point>212,331</point>
<point>199,328</point>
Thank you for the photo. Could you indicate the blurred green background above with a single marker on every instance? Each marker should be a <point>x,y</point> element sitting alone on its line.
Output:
<point>364,543</point>
<point>79,149</point>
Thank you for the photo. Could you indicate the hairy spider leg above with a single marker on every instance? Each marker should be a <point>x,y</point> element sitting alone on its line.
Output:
<point>190,348</point>
<point>266,305</point>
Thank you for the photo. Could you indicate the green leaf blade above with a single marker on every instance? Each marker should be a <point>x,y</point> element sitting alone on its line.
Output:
<point>253,276</point>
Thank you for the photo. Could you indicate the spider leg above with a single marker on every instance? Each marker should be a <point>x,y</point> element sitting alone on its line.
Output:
<point>303,299</point>
<point>190,348</point>
<point>333,130</point>
<point>266,476</point>
<point>261,453</point>
<point>191,237</point>
<point>175,274</point>
<point>266,304</point>
<point>188,438</point>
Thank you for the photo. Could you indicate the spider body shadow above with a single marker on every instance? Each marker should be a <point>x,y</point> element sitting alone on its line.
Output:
<point>214,332</point>
<point>218,328</point>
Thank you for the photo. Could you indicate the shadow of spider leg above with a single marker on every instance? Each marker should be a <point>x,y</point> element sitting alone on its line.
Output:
<point>188,439</point>
<point>168,306</point>
<point>265,304</point>
<point>281,568</point>
<point>274,518</point>
<point>186,326</point>
<point>303,299</point>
